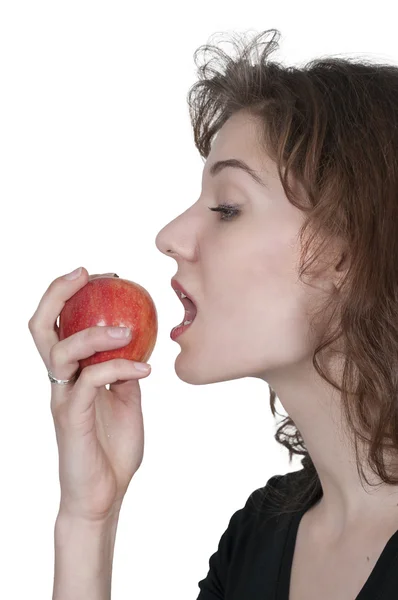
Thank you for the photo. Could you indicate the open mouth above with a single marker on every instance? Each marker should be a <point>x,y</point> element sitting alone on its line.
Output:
<point>189,305</point>
<point>190,308</point>
<point>189,316</point>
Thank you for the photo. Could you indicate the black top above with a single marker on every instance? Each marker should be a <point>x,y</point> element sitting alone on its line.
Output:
<point>255,555</point>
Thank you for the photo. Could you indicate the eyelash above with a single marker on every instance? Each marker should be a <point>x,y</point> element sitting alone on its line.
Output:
<point>228,212</point>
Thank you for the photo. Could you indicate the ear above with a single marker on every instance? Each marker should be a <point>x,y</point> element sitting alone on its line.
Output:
<point>341,268</point>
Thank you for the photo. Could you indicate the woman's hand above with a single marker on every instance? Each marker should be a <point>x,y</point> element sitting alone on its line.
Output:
<point>100,432</point>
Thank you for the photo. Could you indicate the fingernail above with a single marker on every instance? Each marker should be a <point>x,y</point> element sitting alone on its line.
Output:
<point>119,332</point>
<point>74,274</point>
<point>142,366</point>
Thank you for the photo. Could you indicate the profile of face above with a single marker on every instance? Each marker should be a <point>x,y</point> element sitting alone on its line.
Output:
<point>252,310</point>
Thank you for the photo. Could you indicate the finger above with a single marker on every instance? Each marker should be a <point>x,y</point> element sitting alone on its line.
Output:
<point>41,317</point>
<point>66,354</point>
<point>42,325</point>
<point>103,275</point>
<point>94,377</point>
<point>90,278</point>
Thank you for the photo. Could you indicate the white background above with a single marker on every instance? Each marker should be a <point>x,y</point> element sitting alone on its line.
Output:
<point>97,155</point>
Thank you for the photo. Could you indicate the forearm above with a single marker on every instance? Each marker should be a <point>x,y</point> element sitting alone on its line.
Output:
<point>83,559</point>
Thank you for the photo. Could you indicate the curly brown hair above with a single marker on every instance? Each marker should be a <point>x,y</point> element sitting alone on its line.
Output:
<point>333,125</point>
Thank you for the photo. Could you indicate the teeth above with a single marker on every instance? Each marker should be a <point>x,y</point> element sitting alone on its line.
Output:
<point>180,294</point>
<point>187,322</point>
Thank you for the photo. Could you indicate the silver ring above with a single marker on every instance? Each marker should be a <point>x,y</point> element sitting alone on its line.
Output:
<point>62,381</point>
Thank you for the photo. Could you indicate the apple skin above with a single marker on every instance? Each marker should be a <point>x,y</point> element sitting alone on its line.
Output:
<point>111,301</point>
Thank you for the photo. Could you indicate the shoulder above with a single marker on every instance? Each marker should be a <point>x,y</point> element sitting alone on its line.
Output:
<point>277,488</point>
<point>248,542</point>
<point>258,508</point>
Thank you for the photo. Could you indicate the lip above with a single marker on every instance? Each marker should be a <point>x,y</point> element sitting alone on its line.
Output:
<point>177,286</point>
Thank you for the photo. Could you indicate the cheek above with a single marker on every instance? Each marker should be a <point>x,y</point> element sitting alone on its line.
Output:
<point>258,310</point>
<point>271,308</point>
<point>270,269</point>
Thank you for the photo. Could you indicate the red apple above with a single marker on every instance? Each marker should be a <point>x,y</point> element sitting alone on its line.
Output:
<point>111,301</point>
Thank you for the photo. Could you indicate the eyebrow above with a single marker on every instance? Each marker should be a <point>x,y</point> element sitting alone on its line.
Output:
<point>235,163</point>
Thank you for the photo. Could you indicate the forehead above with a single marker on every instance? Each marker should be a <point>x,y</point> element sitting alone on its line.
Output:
<point>240,138</point>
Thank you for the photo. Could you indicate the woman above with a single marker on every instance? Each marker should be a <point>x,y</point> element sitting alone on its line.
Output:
<point>301,166</point>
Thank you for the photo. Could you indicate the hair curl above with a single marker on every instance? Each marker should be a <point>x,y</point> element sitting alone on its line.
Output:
<point>333,124</point>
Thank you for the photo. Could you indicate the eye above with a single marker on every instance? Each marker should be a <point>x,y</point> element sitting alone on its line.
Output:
<point>228,211</point>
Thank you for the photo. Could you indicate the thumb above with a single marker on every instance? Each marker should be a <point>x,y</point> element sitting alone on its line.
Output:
<point>127,391</point>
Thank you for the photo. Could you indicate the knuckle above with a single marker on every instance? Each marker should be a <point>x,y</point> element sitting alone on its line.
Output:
<point>87,376</point>
<point>119,363</point>
<point>91,336</point>
<point>56,353</point>
<point>99,332</point>
<point>53,286</point>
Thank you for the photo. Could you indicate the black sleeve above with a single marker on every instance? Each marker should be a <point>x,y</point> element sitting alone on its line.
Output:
<point>212,587</point>
<point>214,584</point>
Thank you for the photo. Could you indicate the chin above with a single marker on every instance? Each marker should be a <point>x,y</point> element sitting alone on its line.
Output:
<point>191,372</point>
<point>192,375</point>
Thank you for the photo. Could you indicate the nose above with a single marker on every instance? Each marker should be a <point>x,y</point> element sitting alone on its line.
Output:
<point>177,238</point>
<point>161,243</point>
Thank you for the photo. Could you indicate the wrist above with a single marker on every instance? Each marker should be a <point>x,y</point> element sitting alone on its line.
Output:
<point>66,519</point>
<point>83,556</point>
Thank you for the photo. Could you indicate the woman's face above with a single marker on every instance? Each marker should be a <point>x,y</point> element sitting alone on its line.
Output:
<point>252,312</point>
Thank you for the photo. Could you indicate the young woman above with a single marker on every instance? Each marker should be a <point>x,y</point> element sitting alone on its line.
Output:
<point>290,256</point>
